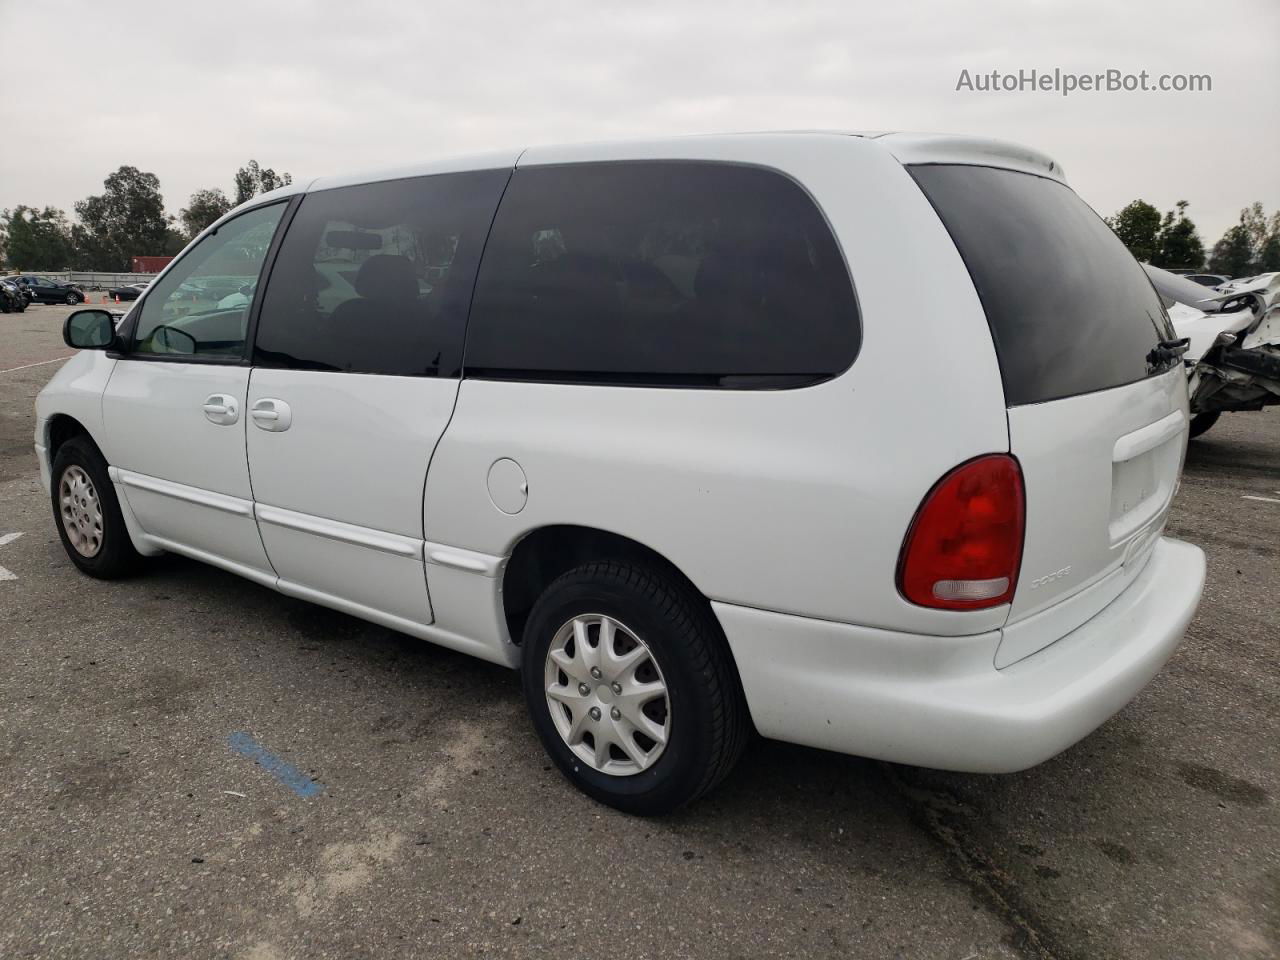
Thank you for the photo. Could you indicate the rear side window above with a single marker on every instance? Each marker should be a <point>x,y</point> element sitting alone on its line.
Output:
<point>377,278</point>
<point>680,273</point>
<point>1069,308</point>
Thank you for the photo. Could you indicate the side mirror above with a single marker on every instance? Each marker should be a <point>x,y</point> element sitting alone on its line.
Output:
<point>172,340</point>
<point>89,330</point>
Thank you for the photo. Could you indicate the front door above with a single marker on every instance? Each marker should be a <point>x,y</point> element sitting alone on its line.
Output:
<point>174,408</point>
<point>356,366</point>
<point>45,291</point>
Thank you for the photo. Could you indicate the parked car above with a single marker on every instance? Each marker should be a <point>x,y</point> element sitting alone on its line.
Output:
<point>129,291</point>
<point>12,299</point>
<point>1233,333</point>
<point>1207,279</point>
<point>21,288</point>
<point>681,475</point>
<point>1264,284</point>
<point>44,290</point>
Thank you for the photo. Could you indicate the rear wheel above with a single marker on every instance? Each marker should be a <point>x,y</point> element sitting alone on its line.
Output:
<point>630,687</point>
<point>87,512</point>
<point>1201,422</point>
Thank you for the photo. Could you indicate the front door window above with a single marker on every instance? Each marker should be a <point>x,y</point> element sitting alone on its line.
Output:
<point>201,306</point>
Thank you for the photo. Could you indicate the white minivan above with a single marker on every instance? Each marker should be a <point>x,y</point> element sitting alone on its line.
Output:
<point>866,442</point>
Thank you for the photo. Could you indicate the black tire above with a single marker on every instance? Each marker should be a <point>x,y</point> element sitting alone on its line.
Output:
<point>73,299</point>
<point>116,556</point>
<point>1201,422</point>
<point>709,719</point>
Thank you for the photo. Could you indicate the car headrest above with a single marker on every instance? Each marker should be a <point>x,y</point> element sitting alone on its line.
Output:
<point>386,276</point>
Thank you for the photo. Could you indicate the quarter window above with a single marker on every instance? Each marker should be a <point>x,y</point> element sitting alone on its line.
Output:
<point>679,273</point>
<point>377,278</point>
<point>201,306</point>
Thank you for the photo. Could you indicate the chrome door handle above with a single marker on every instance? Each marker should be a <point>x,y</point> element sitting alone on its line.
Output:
<point>221,409</point>
<point>271,414</point>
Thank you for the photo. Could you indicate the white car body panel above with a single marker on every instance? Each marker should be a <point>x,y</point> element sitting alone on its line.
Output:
<point>1202,328</point>
<point>74,391</point>
<point>937,702</point>
<point>786,508</point>
<point>1100,471</point>
<point>365,548</point>
<point>780,481</point>
<point>1266,285</point>
<point>185,478</point>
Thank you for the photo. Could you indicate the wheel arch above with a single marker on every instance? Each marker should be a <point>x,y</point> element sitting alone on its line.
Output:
<point>60,428</point>
<point>544,553</point>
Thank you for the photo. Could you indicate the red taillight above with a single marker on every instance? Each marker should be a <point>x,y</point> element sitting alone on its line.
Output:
<point>964,547</point>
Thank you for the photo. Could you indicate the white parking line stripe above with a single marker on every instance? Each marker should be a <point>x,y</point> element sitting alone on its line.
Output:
<point>8,538</point>
<point>1263,499</point>
<point>38,363</point>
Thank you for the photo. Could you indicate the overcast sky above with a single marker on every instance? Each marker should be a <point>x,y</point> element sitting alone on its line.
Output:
<point>190,91</point>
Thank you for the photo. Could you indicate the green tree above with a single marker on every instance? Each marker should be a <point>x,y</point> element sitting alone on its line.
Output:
<point>1251,246</point>
<point>1137,226</point>
<point>127,219</point>
<point>1233,254</point>
<point>174,241</point>
<point>37,239</point>
<point>251,180</point>
<point>204,207</point>
<point>270,180</point>
<point>1254,219</point>
<point>1269,255</point>
<point>1178,244</point>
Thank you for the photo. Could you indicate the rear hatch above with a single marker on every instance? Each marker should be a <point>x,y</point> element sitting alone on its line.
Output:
<point>1097,410</point>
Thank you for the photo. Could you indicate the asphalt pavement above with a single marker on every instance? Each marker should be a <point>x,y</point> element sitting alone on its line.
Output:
<point>192,765</point>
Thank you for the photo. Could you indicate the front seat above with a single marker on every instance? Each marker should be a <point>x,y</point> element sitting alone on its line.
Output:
<point>383,328</point>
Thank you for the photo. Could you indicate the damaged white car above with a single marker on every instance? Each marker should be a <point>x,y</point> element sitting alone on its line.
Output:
<point>1233,356</point>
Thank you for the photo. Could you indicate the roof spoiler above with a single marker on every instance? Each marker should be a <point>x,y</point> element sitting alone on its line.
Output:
<point>921,148</point>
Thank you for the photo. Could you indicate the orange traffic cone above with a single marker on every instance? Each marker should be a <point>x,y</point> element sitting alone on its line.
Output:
<point>117,298</point>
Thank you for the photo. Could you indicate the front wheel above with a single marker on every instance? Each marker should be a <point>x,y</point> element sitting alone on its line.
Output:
<point>631,688</point>
<point>1201,422</point>
<point>87,512</point>
<point>73,299</point>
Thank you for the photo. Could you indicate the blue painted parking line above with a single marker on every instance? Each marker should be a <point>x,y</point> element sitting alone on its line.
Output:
<point>281,769</point>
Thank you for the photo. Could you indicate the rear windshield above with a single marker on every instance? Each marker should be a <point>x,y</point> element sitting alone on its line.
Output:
<point>1070,310</point>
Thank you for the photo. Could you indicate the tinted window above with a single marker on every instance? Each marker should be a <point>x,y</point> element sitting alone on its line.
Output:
<point>377,278</point>
<point>201,306</point>
<point>1070,310</point>
<point>661,272</point>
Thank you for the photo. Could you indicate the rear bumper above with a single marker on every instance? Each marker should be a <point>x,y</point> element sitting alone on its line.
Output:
<point>939,701</point>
